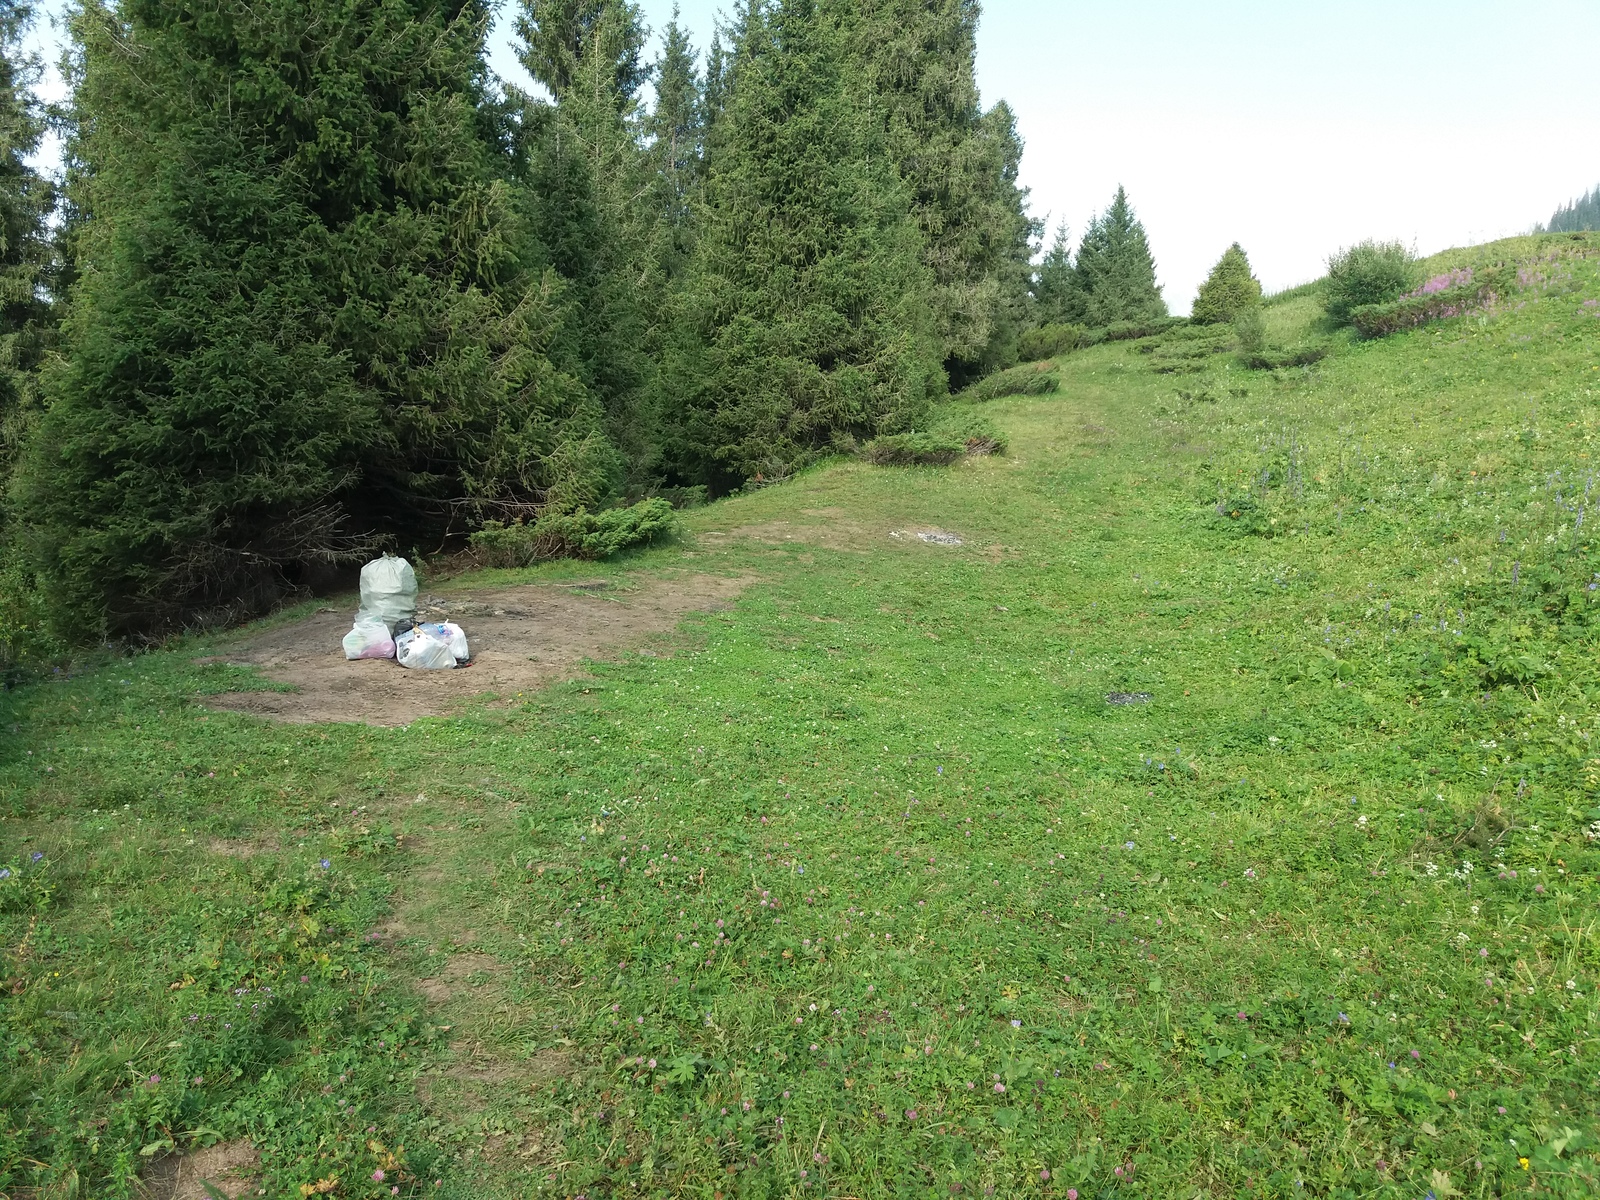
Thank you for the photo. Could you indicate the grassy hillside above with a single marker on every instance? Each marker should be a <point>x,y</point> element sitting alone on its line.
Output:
<point>867,889</point>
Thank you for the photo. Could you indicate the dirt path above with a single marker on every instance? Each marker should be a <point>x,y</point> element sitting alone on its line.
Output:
<point>522,638</point>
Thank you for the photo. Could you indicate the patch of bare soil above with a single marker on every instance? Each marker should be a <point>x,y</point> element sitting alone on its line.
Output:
<point>522,639</point>
<point>478,1074</point>
<point>229,1167</point>
<point>459,970</point>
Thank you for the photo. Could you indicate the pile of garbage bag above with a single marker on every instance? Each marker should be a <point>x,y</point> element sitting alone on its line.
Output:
<point>431,647</point>
<point>386,627</point>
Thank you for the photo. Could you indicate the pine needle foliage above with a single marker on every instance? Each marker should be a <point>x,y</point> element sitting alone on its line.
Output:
<point>303,315</point>
<point>26,201</point>
<point>1580,215</point>
<point>675,131</point>
<point>585,172</point>
<point>27,274</point>
<point>959,165</point>
<point>328,289</point>
<point>1056,298</point>
<point>1115,272</point>
<point>806,317</point>
<point>1228,290</point>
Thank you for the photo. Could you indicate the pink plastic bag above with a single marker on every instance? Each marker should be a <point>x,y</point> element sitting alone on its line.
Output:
<point>369,639</point>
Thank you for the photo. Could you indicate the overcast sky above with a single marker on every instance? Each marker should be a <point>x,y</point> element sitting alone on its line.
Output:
<point>1292,128</point>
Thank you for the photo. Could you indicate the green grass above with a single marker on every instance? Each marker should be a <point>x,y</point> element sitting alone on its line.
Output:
<point>882,808</point>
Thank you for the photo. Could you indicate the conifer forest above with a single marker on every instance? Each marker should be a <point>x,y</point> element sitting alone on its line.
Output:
<point>315,282</point>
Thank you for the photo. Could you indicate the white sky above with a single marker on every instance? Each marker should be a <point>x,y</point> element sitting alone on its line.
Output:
<point>1293,128</point>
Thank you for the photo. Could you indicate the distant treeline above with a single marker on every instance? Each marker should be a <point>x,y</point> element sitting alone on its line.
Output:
<point>1582,214</point>
<point>315,281</point>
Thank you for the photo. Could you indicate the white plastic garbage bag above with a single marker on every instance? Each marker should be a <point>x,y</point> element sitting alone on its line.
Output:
<point>424,649</point>
<point>388,591</point>
<point>457,637</point>
<point>369,639</point>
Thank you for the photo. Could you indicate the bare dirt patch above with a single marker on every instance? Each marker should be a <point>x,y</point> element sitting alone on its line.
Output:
<point>435,991</point>
<point>480,1074</point>
<point>229,1167</point>
<point>481,1067</point>
<point>522,638</point>
<point>458,972</point>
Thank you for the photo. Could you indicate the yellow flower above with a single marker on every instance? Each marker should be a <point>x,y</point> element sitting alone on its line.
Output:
<point>1523,1163</point>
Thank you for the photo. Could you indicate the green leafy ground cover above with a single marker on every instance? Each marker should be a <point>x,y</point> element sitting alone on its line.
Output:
<point>866,889</point>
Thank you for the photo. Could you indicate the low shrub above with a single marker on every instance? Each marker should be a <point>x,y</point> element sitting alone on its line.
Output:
<point>685,497</point>
<point>916,449</point>
<point>1367,273</point>
<point>1128,331</point>
<point>955,436</point>
<point>1301,355</point>
<point>1185,349</point>
<point>1030,379</point>
<point>1442,297</point>
<point>27,643</point>
<point>1250,328</point>
<point>573,534</point>
<point>1050,341</point>
<point>979,434</point>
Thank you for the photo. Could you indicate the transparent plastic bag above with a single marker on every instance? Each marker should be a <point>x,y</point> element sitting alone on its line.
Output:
<point>457,637</point>
<point>369,639</point>
<point>388,591</point>
<point>452,635</point>
<point>421,649</point>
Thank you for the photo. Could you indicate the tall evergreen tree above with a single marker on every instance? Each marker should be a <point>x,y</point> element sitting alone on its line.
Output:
<point>1056,299</point>
<point>1116,274</point>
<point>1228,290</point>
<point>585,173</point>
<point>959,165</point>
<point>1010,241</point>
<point>676,130</point>
<point>806,317</point>
<point>302,315</point>
<point>1582,214</point>
<point>26,200</point>
<point>714,95</point>
<point>603,40</point>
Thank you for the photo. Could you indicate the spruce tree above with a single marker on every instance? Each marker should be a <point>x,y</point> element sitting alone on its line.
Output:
<point>302,316</point>
<point>584,176</point>
<point>1581,214</point>
<point>1056,299</point>
<point>1008,246</point>
<point>675,129</point>
<point>959,165</point>
<point>1228,290</point>
<point>27,274</point>
<point>1116,274</point>
<point>806,317</point>
<point>560,38</point>
<point>26,201</point>
<point>714,95</point>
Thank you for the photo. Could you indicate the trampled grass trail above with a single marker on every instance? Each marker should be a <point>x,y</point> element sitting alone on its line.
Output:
<point>865,886</point>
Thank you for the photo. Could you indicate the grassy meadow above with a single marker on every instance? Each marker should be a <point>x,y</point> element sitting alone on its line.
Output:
<point>862,888</point>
